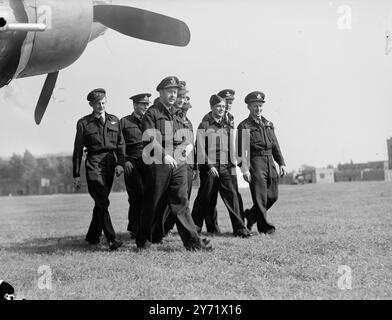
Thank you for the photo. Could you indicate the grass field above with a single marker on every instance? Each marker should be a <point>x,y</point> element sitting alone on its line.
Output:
<point>319,228</point>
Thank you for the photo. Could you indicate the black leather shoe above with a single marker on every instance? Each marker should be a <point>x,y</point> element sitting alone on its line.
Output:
<point>205,245</point>
<point>115,245</point>
<point>271,230</point>
<point>242,233</point>
<point>145,246</point>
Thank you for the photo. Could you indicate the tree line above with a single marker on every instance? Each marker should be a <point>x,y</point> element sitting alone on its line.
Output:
<point>29,175</point>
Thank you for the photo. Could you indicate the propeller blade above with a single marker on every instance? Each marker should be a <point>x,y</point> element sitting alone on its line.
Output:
<point>143,24</point>
<point>45,96</point>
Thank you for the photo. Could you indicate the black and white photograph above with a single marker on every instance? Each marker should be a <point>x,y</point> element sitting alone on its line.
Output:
<point>213,151</point>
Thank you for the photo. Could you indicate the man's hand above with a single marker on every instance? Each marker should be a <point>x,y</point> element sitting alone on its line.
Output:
<point>194,177</point>
<point>282,171</point>
<point>213,172</point>
<point>170,161</point>
<point>247,177</point>
<point>119,171</point>
<point>128,167</point>
<point>77,183</point>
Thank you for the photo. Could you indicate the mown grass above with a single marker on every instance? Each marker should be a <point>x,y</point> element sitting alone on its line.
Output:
<point>319,228</point>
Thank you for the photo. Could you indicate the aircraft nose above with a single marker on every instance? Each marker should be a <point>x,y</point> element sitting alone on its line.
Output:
<point>11,42</point>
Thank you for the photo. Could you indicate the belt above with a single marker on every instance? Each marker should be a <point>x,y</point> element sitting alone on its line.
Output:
<point>95,153</point>
<point>262,153</point>
<point>217,164</point>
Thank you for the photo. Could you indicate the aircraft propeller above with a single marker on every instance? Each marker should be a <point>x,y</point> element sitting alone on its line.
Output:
<point>143,24</point>
<point>45,96</point>
<point>132,22</point>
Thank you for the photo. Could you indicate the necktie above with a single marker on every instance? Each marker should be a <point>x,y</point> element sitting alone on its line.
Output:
<point>101,120</point>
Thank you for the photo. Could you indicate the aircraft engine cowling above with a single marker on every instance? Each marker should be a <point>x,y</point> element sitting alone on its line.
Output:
<point>10,42</point>
<point>69,25</point>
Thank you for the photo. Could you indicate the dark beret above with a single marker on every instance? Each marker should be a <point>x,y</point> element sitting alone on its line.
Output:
<point>141,98</point>
<point>215,99</point>
<point>256,96</point>
<point>169,82</point>
<point>227,94</point>
<point>96,94</point>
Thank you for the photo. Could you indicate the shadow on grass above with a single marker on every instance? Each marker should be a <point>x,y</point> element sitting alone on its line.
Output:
<point>78,244</point>
<point>65,244</point>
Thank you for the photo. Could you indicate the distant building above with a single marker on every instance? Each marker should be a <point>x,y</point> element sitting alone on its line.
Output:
<point>316,175</point>
<point>369,171</point>
<point>324,175</point>
<point>373,175</point>
<point>347,175</point>
<point>372,165</point>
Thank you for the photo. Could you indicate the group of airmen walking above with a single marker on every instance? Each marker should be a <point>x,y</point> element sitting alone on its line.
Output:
<point>156,150</point>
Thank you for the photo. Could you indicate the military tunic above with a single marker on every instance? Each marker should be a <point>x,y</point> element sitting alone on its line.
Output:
<point>216,154</point>
<point>212,218</point>
<point>165,185</point>
<point>186,126</point>
<point>131,127</point>
<point>105,150</point>
<point>258,147</point>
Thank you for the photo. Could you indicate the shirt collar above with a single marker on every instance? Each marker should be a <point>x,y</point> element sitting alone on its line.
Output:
<point>260,120</point>
<point>135,116</point>
<point>167,107</point>
<point>94,116</point>
<point>216,120</point>
<point>164,108</point>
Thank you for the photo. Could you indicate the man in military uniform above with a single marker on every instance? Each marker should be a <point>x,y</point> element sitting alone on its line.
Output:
<point>166,173</point>
<point>131,127</point>
<point>100,134</point>
<point>258,147</point>
<point>183,105</point>
<point>216,169</point>
<point>228,95</point>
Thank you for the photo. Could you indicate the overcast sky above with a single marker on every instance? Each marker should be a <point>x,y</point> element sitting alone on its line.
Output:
<point>328,89</point>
